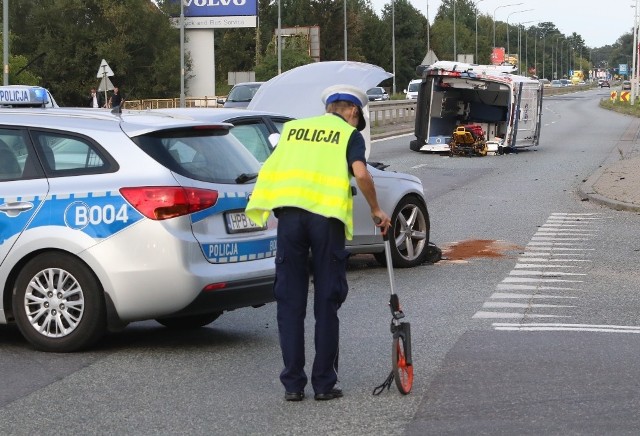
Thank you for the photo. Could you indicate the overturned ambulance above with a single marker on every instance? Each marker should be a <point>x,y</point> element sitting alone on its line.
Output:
<point>490,102</point>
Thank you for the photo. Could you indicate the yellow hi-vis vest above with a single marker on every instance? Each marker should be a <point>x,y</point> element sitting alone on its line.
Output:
<point>309,170</point>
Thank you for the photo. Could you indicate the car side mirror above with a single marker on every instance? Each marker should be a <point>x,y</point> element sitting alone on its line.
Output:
<point>221,100</point>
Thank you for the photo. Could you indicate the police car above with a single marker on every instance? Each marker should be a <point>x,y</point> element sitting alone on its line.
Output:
<point>400,195</point>
<point>26,96</point>
<point>111,218</point>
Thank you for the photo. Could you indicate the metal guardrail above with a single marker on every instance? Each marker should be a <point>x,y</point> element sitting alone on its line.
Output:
<point>381,113</point>
<point>164,103</point>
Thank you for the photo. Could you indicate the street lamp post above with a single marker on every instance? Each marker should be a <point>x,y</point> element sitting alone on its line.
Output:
<point>634,80</point>
<point>543,53</point>
<point>455,49</point>
<point>393,42</point>
<point>494,19</point>
<point>476,6</point>
<point>345,30</point>
<point>279,40</point>
<point>5,40</point>
<point>512,13</point>
<point>526,40</point>
<point>182,98</point>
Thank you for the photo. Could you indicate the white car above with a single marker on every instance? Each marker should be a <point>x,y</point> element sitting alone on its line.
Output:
<point>401,195</point>
<point>296,93</point>
<point>411,93</point>
<point>110,218</point>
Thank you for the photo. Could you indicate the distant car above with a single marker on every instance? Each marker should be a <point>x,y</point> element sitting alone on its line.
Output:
<point>605,83</point>
<point>626,85</point>
<point>556,84</point>
<point>566,82</point>
<point>545,82</point>
<point>377,94</point>
<point>411,93</point>
<point>241,94</point>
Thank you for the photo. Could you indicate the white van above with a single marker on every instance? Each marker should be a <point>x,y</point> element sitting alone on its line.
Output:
<point>411,93</point>
<point>507,107</point>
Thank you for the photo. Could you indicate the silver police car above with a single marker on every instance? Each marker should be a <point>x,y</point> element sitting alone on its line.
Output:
<point>399,194</point>
<point>111,218</point>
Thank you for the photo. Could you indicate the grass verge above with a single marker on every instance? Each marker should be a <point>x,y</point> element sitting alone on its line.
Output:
<point>621,107</point>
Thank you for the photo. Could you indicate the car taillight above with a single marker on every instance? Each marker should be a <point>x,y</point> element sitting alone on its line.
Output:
<point>164,202</point>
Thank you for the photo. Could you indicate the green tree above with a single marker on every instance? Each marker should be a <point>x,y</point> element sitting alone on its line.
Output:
<point>135,37</point>
<point>294,54</point>
<point>410,40</point>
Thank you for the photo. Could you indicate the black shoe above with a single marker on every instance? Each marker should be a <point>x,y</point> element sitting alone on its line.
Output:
<point>294,396</point>
<point>333,393</point>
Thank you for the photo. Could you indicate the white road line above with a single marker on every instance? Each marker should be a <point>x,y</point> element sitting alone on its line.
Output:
<point>561,229</point>
<point>507,295</point>
<point>513,287</point>
<point>496,305</point>
<point>561,233</point>
<point>550,248</point>
<point>548,238</point>
<point>551,245</point>
<point>565,225</point>
<point>576,213</point>
<point>537,265</point>
<point>544,273</point>
<point>542,253</point>
<point>540,327</point>
<point>554,324</point>
<point>534,280</point>
<point>544,260</point>
<point>484,314</point>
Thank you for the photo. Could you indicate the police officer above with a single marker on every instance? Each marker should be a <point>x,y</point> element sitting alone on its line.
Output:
<point>306,183</point>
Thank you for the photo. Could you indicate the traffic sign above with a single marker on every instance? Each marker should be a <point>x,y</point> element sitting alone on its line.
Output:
<point>624,96</point>
<point>104,70</point>
<point>105,84</point>
<point>614,95</point>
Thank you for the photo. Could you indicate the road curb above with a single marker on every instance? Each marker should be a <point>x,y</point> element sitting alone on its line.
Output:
<point>586,192</point>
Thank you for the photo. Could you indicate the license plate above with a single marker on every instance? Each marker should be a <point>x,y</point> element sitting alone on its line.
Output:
<point>238,222</point>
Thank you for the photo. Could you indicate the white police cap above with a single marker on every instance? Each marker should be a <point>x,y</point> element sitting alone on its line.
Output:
<point>348,93</point>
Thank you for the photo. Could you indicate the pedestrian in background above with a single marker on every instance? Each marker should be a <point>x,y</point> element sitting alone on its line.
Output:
<point>96,99</point>
<point>306,182</point>
<point>117,99</point>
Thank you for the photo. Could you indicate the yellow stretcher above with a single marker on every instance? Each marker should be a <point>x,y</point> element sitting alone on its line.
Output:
<point>468,141</point>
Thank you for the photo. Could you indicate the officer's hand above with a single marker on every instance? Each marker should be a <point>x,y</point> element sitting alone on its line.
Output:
<point>381,220</point>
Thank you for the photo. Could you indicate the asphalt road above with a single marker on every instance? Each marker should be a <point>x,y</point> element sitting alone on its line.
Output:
<point>531,330</point>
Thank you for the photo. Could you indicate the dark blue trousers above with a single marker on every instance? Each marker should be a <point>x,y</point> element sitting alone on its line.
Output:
<point>301,232</point>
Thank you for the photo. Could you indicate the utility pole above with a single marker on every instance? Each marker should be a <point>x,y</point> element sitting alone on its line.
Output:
<point>5,40</point>
<point>634,80</point>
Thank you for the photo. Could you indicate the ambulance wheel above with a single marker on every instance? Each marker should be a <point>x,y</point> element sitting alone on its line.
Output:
<point>189,322</point>
<point>410,239</point>
<point>58,303</point>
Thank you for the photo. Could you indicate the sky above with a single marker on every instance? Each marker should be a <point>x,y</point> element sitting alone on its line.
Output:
<point>599,24</point>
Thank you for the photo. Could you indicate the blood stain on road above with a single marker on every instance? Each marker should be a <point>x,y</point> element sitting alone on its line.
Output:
<point>462,251</point>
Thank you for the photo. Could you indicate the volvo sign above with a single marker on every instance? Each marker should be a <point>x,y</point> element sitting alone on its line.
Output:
<point>219,8</point>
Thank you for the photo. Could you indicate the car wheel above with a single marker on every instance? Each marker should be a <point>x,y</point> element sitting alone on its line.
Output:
<point>58,303</point>
<point>189,322</point>
<point>410,239</point>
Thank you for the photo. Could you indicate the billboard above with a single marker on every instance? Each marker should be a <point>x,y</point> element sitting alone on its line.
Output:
<point>497,56</point>
<point>220,8</point>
